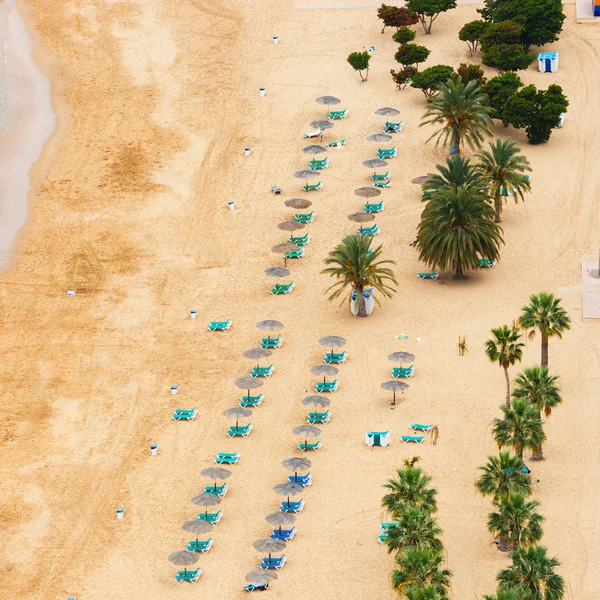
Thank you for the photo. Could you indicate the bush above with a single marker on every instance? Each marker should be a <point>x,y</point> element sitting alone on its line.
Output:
<point>410,55</point>
<point>429,10</point>
<point>471,33</point>
<point>392,16</point>
<point>359,61</point>
<point>499,90</point>
<point>538,111</point>
<point>404,77</point>
<point>470,72</point>
<point>404,35</point>
<point>429,80</point>
<point>506,57</point>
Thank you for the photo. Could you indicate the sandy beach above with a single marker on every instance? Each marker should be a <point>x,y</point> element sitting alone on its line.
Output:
<point>155,103</point>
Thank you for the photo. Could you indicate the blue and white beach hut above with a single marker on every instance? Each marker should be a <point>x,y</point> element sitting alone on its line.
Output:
<point>548,62</point>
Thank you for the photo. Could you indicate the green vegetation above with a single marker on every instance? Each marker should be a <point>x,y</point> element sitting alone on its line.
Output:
<point>470,72</point>
<point>392,16</point>
<point>471,33</point>
<point>458,173</point>
<point>520,428</point>
<point>404,35</point>
<point>429,80</point>
<point>515,522</point>
<point>429,10</point>
<point>503,475</point>
<point>499,90</point>
<point>502,48</point>
<point>404,77</point>
<point>359,61</point>
<point>505,349</point>
<point>410,55</point>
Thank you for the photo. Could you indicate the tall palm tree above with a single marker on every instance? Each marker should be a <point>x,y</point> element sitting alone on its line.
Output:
<point>503,475</point>
<point>531,575</point>
<point>538,388</point>
<point>505,349</point>
<point>415,527</point>
<point>423,593</point>
<point>458,172</point>
<point>419,567</point>
<point>545,314</point>
<point>502,595</point>
<point>461,111</point>
<point>410,488</point>
<point>516,522</point>
<point>356,265</point>
<point>456,229</point>
<point>520,429</point>
<point>504,169</point>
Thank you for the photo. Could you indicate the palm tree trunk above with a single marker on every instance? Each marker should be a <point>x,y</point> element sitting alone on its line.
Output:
<point>459,274</point>
<point>538,451</point>
<point>456,140</point>
<point>503,545</point>
<point>519,451</point>
<point>362,306</point>
<point>497,205</point>
<point>544,350</point>
<point>507,387</point>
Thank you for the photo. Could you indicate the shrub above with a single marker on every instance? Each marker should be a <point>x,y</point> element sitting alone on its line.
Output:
<point>404,35</point>
<point>404,77</point>
<point>429,10</point>
<point>429,80</point>
<point>499,90</point>
<point>471,33</point>
<point>410,55</point>
<point>359,61</point>
<point>470,72</point>
<point>392,16</point>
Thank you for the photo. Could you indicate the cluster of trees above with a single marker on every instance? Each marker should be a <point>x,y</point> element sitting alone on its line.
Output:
<point>415,541</point>
<point>414,11</point>
<point>515,521</point>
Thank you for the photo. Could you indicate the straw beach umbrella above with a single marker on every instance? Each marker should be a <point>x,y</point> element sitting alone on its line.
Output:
<point>284,249</point>
<point>183,558</point>
<point>327,101</point>
<point>276,272</point>
<point>197,527</point>
<point>206,500</point>
<point>395,386</point>
<point>268,545</point>
<point>248,383</point>
<point>314,149</point>
<point>215,473</point>
<point>298,203</point>
<point>333,341</point>
<point>269,325</point>
<point>316,401</point>
<point>279,518</point>
<point>421,180</point>
<point>379,137</point>
<point>367,192</point>
<point>237,412</point>
<point>386,111</point>
<point>296,463</point>
<point>261,578</point>
<point>324,370</point>
<point>306,174</point>
<point>374,163</point>
<point>291,226</point>
<point>288,489</point>
<point>322,125</point>
<point>401,357</point>
<point>307,431</point>
<point>361,217</point>
<point>257,353</point>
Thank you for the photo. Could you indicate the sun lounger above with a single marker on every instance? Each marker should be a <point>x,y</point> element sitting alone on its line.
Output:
<point>381,176</point>
<point>274,562</point>
<point>284,534</point>
<point>227,458</point>
<point>369,231</point>
<point>200,546</point>
<point>375,207</point>
<point>339,144</point>
<point>326,386</point>
<point>382,184</point>
<point>337,114</point>
<point>417,439</point>
<point>305,217</point>
<point>220,325</point>
<point>335,358</point>
<point>219,490</point>
<point>303,480</point>
<point>317,165</point>
<point>390,127</point>
<point>432,275</point>
<point>312,134</point>
<point>301,240</point>
<point>485,263</point>
<point>292,506</point>
<point>316,418</point>
<point>407,372</point>
<point>239,431</point>
<point>299,253</point>
<point>282,288</point>
<point>307,447</point>
<point>276,189</point>
<point>419,427</point>
<point>262,371</point>
<point>251,587</point>
<point>272,343</point>
<point>251,401</point>
<point>212,518</point>
<point>191,576</point>
<point>183,414</point>
<point>307,187</point>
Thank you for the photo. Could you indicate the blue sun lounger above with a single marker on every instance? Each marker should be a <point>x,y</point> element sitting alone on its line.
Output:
<point>335,358</point>
<point>185,414</point>
<point>271,343</point>
<point>316,418</point>
<point>275,562</point>
<point>227,458</point>
<point>219,325</point>
<point>200,546</point>
<point>417,439</point>
<point>432,275</point>
<point>216,490</point>
<point>406,372</point>
<point>191,576</point>
<point>239,431</point>
<point>262,371</point>
<point>293,507</point>
<point>326,386</point>
<point>303,480</point>
<point>284,534</point>
<point>419,427</point>
<point>251,401</point>
<point>212,518</point>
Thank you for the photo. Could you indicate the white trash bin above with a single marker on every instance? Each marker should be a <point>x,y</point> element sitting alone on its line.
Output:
<point>263,91</point>
<point>120,512</point>
<point>193,313</point>
<point>276,39</point>
<point>174,390</point>
<point>154,449</point>
<point>247,152</point>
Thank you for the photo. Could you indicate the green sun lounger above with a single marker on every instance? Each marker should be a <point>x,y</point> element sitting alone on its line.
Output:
<point>420,427</point>
<point>273,343</point>
<point>191,576</point>
<point>417,439</point>
<point>382,184</point>
<point>184,414</point>
<point>485,263</point>
<point>369,231</point>
<point>381,176</point>
<point>337,114</point>
<point>335,358</point>
<point>432,275</point>
<point>307,187</point>
<point>212,518</point>
<point>317,165</point>
<point>219,325</point>
<point>315,418</point>
<point>251,401</point>
<point>216,490</point>
<point>339,144</point>
<point>301,240</point>
<point>406,372</point>
<point>282,288</point>
<point>200,546</point>
<point>326,386</point>
<point>305,218</point>
<point>391,127</point>
<point>375,207</point>
<point>299,253</point>
<point>307,447</point>
<point>227,458</point>
<point>262,371</point>
<point>239,431</point>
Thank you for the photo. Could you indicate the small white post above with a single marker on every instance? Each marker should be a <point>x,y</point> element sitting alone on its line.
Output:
<point>154,449</point>
<point>120,512</point>
<point>247,152</point>
<point>263,91</point>
<point>231,205</point>
<point>174,390</point>
<point>276,39</point>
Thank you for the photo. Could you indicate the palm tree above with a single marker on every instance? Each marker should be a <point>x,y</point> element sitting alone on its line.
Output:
<point>531,575</point>
<point>503,475</point>
<point>505,349</point>
<point>424,593</point>
<point>357,266</point>
<point>516,522</point>
<point>504,169</point>
<point>538,388</point>
<point>502,595</point>
<point>417,568</point>
<point>457,173</point>
<point>461,111</point>
<point>456,229</point>
<point>415,528</point>
<point>545,313</point>
<point>410,488</point>
<point>520,428</point>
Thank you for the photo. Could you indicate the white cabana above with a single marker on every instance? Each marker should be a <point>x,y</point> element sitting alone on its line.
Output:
<point>548,62</point>
<point>377,438</point>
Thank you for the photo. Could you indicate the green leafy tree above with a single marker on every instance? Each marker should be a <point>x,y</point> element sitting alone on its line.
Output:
<point>499,33</point>
<point>471,33</point>
<point>411,488</point>
<point>499,90</point>
<point>504,169</point>
<point>357,266</point>
<point>502,595</point>
<point>520,428</point>
<point>404,77</point>
<point>429,10</point>
<point>456,229</point>
<point>516,522</point>
<point>503,475</point>
<point>410,55</point>
<point>417,568</point>
<point>506,57</point>
<point>505,349</point>
<point>545,314</point>
<point>458,173</point>
<point>359,61</point>
<point>430,79</point>
<point>422,593</point>
<point>532,575</point>
<point>470,72</point>
<point>392,16</point>
<point>538,111</point>
<point>462,114</point>
<point>404,35</point>
<point>415,527</point>
<point>538,387</point>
